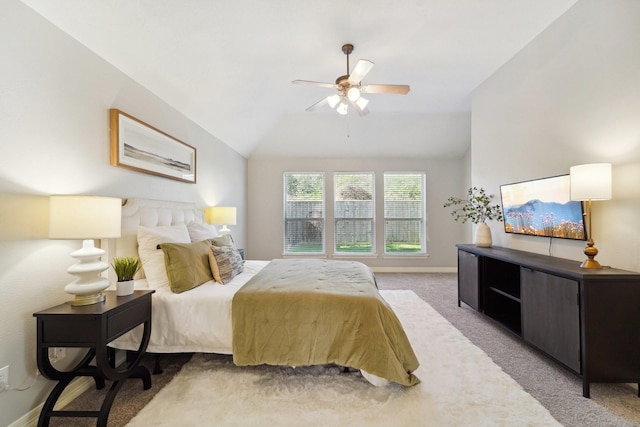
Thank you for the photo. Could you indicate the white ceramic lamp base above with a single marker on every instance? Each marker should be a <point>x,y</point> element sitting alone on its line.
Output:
<point>89,285</point>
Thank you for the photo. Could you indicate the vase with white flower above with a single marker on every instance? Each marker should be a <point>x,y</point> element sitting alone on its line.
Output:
<point>477,208</point>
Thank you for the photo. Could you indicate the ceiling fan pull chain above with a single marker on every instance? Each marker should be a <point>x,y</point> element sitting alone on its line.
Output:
<point>348,126</point>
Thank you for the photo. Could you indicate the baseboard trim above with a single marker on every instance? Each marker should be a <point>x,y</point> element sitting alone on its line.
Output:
<point>75,389</point>
<point>414,269</point>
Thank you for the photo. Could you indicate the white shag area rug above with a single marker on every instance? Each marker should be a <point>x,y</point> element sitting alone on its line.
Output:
<point>461,386</point>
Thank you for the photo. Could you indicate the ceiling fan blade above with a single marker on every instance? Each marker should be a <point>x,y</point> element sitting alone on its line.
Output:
<point>318,104</point>
<point>362,68</point>
<point>361,111</point>
<point>393,89</point>
<point>319,84</point>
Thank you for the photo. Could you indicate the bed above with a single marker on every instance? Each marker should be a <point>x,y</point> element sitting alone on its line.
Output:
<point>285,312</point>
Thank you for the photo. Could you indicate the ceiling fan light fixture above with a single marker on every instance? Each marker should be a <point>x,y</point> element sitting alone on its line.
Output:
<point>362,103</point>
<point>333,100</point>
<point>350,88</point>
<point>343,108</point>
<point>353,94</point>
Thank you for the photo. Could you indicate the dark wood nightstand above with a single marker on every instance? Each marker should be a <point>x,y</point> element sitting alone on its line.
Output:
<point>92,327</point>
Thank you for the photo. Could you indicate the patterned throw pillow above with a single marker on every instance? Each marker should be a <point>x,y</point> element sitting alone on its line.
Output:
<point>225,263</point>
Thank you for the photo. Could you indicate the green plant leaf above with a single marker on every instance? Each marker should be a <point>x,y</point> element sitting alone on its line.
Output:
<point>126,267</point>
<point>476,208</point>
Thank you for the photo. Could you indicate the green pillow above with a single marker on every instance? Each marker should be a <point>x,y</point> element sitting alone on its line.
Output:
<point>187,265</point>
<point>223,240</point>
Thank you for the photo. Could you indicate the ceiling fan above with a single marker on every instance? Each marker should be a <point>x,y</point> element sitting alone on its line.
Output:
<point>350,88</point>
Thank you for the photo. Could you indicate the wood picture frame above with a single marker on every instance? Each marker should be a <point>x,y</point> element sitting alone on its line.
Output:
<point>138,146</point>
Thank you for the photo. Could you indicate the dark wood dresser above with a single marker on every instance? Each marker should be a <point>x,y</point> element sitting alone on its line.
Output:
<point>587,320</point>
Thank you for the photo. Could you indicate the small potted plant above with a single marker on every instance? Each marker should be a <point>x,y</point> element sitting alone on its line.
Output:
<point>126,268</point>
<point>476,208</point>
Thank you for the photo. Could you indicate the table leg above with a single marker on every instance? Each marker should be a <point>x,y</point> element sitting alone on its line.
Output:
<point>47,409</point>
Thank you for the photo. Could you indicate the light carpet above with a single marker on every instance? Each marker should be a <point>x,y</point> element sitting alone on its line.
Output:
<point>461,386</point>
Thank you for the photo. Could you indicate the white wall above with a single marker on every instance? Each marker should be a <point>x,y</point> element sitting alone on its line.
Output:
<point>572,96</point>
<point>445,177</point>
<point>54,139</point>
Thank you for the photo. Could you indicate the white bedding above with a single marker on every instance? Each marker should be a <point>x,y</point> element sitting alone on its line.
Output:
<point>195,321</point>
<point>198,320</point>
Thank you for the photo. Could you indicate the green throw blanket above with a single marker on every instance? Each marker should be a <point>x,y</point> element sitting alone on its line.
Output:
<point>314,312</point>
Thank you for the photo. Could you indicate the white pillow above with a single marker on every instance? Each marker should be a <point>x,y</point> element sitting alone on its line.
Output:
<point>153,258</point>
<point>199,232</point>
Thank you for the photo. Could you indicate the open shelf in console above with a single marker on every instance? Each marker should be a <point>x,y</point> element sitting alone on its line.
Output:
<point>503,277</point>
<point>501,293</point>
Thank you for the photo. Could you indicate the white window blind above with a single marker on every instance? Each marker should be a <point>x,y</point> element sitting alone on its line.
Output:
<point>404,212</point>
<point>354,207</point>
<point>303,212</point>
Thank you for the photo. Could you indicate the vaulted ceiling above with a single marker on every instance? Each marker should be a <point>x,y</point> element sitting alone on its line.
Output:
<point>228,65</point>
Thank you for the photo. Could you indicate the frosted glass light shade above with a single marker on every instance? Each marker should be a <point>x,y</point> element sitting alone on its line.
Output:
<point>342,108</point>
<point>333,100</point>
<point>86,218</point>
<point>591,181</point>
<point>353,94</point>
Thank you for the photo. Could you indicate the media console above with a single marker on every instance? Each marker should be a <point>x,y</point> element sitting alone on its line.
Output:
<point>587,320</point>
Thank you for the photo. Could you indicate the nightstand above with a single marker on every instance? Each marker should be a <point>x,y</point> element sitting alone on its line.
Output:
<point>92,327</point>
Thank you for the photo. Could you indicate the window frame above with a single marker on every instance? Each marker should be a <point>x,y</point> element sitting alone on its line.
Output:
<point>372,220</point>
<point>285,220</point>
<point>422,227</point>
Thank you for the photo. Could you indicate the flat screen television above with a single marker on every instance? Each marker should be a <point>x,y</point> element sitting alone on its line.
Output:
<point>542,207</point>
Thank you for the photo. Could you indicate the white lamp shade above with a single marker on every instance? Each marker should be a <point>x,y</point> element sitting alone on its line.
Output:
<point>84,217</point>
<point>591,181</point>
<point>222,215</point>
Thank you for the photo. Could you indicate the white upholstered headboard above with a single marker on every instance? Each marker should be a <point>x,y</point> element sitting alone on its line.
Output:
<point>149,213</point>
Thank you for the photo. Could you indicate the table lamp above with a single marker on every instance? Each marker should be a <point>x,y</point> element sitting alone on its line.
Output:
<point>86,218</point>
<point>222,215</point>
<point>590,182</point>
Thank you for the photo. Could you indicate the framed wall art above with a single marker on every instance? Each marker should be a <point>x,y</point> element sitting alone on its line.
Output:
<point>137,146</point>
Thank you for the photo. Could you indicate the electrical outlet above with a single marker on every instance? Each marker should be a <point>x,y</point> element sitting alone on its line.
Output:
<point>57,353</point>
<point>4,378</point>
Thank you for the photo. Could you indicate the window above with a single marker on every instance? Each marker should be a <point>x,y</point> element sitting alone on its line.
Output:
<point>354,207</point>
<point>303,213</point>
<point>404,212</point>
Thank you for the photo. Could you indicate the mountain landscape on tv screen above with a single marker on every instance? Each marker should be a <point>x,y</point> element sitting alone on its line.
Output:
<point>538,218</point>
